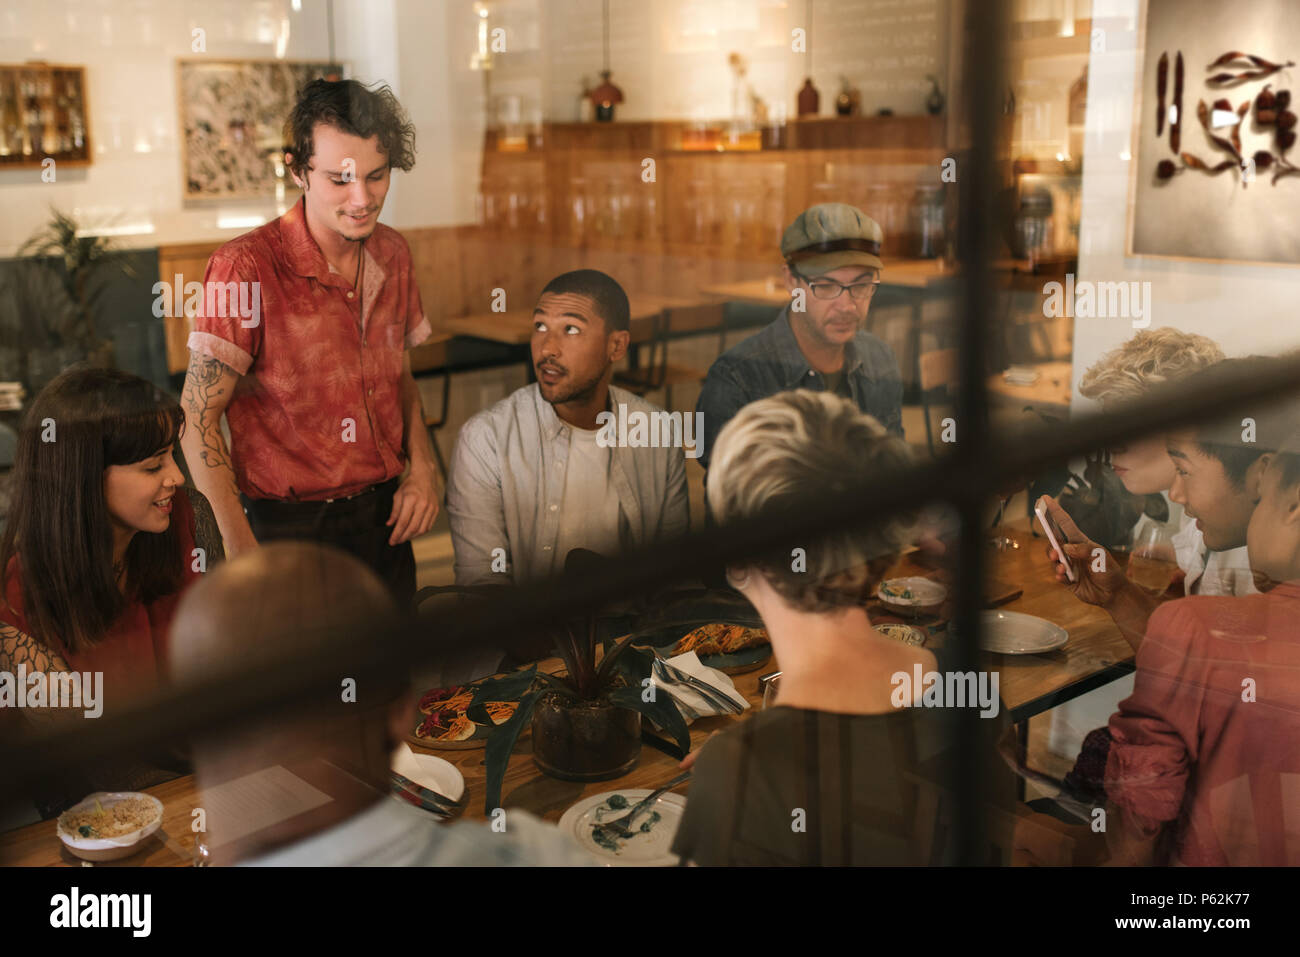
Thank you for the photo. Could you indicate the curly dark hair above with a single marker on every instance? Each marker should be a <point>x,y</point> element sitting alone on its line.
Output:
<point>355,109</point>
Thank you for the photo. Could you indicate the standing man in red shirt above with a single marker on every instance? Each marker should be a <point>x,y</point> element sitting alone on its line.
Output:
<point>301,342</point>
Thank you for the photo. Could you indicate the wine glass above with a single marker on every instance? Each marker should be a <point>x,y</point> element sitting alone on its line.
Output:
<point>1001,542</point>
<point>1152,564</point>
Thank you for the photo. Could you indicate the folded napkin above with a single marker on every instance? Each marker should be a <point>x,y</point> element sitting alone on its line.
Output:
<point>1021,375</point>
<point>689,700</point>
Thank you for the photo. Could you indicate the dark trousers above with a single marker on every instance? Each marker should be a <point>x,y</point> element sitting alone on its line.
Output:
<point>355,525</point>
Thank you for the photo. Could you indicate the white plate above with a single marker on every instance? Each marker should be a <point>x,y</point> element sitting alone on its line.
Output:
<point>429,772</point>
<point>641,850</point>
<point>926,594</point>
<point>1014,633</point>
<point>107,848</point>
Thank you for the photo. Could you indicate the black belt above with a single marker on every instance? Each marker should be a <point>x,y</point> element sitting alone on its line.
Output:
<point>272,508</point>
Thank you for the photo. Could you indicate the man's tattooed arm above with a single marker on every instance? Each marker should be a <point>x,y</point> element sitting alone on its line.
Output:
<point>209,386</point>
<point>207,392</point>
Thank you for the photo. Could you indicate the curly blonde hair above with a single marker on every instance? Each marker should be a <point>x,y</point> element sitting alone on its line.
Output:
<point>798,446</point>
<point>1150,358</point>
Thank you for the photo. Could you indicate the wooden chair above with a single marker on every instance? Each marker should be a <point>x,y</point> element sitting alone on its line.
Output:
<point>938,372</point>
<point>651,335</point>
<point>1026,336</point>
<point>698,320</point>
<point>426,358</point>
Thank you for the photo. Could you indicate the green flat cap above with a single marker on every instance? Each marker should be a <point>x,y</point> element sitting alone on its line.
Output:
<point>830,235</point>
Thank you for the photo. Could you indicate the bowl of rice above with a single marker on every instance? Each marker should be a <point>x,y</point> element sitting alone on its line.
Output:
<point>108,825</point>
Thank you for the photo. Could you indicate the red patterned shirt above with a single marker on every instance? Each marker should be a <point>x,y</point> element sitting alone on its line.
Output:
<point>317,413</point>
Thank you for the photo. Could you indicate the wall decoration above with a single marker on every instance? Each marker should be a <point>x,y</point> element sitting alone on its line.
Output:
<point>43,115</point>
<point>232,115</point>
<point>1213,172</point>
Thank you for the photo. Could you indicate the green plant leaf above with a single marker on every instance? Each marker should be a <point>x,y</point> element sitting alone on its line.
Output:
<point>500,744</point>
<point>558,684</point>
<point>509,687</point>
<point>607,663</point>
<point>635,663</point>
<point>662,711</point>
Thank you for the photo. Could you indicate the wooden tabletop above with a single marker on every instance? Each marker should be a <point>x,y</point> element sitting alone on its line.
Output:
<point>1051,389</point>
<point>515,327</point>
<point>1029,684</point>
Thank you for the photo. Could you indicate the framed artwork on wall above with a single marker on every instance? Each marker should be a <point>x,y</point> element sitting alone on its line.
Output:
<point>1215,174</point>
<point>232,115</point>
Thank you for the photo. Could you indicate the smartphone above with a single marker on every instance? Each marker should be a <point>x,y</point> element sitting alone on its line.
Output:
<point>1055,536</point>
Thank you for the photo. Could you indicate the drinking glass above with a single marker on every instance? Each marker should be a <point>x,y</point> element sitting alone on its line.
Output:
<point>769,691</point>
<point>1152,564</point>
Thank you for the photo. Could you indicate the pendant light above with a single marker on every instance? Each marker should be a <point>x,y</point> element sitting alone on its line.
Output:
<point>607,95</point>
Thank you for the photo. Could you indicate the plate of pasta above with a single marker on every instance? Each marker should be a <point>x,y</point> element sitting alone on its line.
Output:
<point>109,825</point>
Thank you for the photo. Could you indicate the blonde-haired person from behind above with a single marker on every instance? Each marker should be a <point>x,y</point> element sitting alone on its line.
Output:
<point>828,775</point>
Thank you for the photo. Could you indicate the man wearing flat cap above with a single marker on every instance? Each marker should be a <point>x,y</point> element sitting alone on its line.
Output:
<point>832,268</point>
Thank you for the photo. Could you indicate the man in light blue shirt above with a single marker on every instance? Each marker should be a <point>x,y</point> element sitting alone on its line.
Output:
<point>552,466</point>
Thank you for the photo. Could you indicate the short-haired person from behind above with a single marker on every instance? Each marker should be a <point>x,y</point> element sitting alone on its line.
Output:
<point>830,745</point>
<point>1206,751</point>
<point>100,541</point>
<point>327,436</point>
<point>286,597</point>
<point>533,478</point>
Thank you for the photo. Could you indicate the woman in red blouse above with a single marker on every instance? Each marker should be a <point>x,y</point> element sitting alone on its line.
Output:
<point>100,540</point>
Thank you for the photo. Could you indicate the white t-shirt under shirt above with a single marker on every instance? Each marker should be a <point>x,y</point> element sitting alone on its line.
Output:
<point>589,514</point>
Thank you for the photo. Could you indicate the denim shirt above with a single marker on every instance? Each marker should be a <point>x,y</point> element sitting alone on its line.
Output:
<point>507,487</point>
<point>770,362</point>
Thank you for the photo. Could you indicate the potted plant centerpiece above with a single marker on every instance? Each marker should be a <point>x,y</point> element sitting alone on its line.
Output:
<point>586,721</point>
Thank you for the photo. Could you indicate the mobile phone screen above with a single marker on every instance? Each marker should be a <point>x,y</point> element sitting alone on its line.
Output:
<point>1056,537</point>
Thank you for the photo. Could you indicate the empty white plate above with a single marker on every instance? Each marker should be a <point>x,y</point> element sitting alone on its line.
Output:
<point>1014,633</point>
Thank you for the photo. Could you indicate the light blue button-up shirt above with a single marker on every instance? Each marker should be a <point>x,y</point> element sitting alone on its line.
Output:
<point>506,489</point>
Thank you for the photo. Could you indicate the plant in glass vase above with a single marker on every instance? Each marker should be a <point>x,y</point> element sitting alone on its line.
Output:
<point>586,722</point>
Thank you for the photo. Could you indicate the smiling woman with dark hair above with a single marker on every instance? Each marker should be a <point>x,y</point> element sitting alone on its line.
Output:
<point>101,538</point>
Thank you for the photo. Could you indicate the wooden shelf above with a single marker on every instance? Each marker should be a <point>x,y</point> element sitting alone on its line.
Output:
<point>43,115</point>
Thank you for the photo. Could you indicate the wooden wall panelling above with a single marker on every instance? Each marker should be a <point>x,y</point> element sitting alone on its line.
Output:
<point>189,262</point>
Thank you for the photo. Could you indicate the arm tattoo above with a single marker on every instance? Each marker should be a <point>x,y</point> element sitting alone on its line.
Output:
<point>202,386</point>
<point>207,535</point>
<point>17,649</point>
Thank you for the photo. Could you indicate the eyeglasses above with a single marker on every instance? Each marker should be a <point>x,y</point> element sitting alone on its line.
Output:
<point>830,289</point>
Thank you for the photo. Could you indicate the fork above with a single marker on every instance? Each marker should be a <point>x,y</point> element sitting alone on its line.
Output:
<point>712,695</point>
<point>619,824</point>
